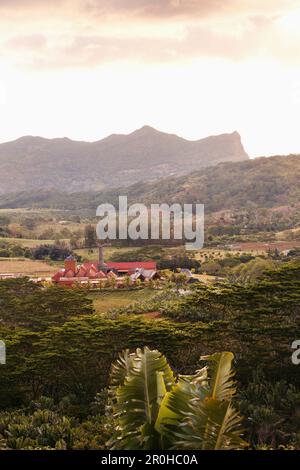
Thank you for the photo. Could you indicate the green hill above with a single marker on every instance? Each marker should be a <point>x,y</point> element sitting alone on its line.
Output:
<point>262,182</point>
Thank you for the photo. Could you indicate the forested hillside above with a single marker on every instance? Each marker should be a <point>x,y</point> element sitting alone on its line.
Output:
<point>262,182</point>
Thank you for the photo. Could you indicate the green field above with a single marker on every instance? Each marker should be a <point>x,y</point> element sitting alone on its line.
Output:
<point>92,254</point>
<point>21,210</point>
<point>106,300</point>
<point>27,267</point>
<point>27,242</point>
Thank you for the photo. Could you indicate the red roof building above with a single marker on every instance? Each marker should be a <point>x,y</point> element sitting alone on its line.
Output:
<point>90,272</point>
<point>123,268</point>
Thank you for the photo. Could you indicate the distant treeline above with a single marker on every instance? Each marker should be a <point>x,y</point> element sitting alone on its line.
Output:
<point>56,252</point>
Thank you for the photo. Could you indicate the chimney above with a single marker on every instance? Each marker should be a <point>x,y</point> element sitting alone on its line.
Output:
<point>71,264</point>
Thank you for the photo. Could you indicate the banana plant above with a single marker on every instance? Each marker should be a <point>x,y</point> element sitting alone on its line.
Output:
<point>212,423</point>
<point>154,409</point>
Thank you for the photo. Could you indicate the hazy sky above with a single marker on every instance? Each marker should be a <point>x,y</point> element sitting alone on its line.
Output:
<point>88,68</point>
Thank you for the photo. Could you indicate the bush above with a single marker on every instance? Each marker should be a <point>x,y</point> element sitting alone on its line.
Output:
<point>179,261</point>
<point>54,252</point>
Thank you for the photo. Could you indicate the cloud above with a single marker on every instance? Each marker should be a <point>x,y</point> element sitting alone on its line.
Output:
<point>24,5</point>
<point>198,42</point>
<point>30,42</point>
<point>151,8</point>
<point>144,31</point>
<point>187,8</point>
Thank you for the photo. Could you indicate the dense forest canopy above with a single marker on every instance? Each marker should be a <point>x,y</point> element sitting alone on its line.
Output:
<point>59,348</point>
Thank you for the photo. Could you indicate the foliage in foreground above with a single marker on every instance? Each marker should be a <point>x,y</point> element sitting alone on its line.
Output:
<point>56,347</point>
<point>154,409</point>
<point>273,413</point>
<point>42,425</point>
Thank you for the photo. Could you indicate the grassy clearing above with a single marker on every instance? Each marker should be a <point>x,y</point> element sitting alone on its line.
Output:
<point>218,253</point>
<point>27,242</point>
<point>58,227</point>
<point>106,300</point>
<point>25,211</point>
<point>26,267</point>
<point>92,255</point>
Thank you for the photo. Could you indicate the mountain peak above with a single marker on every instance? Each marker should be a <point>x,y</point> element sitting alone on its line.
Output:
<point>146,130</point>
<point>236,134</point>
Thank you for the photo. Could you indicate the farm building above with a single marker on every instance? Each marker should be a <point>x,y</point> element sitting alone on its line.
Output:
<point>143,274</point>
<point>94,273</point>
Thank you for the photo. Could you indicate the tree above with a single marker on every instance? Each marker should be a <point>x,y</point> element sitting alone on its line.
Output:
<point>24,303</point>
<point>153,409</point>
<point>178,262</point>
<point>179,279</point>
<point>4,220</point>
<point>29,223</point>
<point>127,281</point>
<point>90,239</point>
<point>248,272</point>
<point>54,252</point>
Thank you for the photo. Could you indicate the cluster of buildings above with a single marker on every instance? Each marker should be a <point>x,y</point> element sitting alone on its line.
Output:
<point>99,273</point>
<point>102,274</point>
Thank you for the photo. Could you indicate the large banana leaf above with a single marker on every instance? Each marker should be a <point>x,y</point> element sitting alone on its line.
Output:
<point>197,413</point>
<point>153,411</point>
<point>210,425</point>
<point>220,373</point>
<point>175,403</point>
<point>139,397</point>
<point>212,422</point>
<point>121,368</point>
<point>173,408</point>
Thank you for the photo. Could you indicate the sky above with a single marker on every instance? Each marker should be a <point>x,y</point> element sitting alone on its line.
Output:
<point>85,69</point>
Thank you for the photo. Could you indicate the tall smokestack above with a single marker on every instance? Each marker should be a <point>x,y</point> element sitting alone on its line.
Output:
<point>102,266</point>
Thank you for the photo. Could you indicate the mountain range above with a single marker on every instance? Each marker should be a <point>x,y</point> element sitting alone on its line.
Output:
<point>35,163</point>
